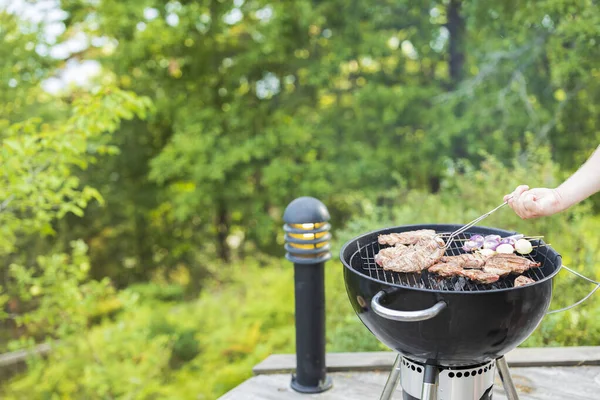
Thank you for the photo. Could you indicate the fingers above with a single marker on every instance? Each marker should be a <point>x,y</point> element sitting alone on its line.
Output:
<point>516,193</point>
<point>528,206</point>
<point>522,202</point>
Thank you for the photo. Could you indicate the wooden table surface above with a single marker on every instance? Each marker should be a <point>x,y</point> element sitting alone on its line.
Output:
<point>568,373</point>
<point>537,383</point>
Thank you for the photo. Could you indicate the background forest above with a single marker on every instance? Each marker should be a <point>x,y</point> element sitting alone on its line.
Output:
<point>149,148</point>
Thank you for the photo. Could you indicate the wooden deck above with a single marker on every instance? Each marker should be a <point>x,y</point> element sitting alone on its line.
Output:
<point>539,374</point>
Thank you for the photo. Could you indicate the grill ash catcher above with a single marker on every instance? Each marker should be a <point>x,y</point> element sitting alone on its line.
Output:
<point>307,244</point>
<point>450,334</point>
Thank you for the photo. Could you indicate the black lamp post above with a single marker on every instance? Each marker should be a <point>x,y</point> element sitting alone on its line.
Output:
<point>307,245</point>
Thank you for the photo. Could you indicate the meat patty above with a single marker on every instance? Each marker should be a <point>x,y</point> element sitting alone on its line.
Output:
<point>411,237</point>
<point>523,280</point>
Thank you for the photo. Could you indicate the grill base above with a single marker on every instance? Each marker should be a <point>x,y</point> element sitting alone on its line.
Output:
<point>436,382</point>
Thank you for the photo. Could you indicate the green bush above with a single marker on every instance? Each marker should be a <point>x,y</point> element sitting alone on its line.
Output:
<point>162,292</point>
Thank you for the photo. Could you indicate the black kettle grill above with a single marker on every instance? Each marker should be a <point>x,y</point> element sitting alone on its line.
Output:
<point>450,333</point>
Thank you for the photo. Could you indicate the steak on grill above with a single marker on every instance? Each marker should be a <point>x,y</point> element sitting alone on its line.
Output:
<point>511,262</point>
<point>447,270</point>
<point>499,264</point>
<point>475,261</point>
<point>390,252</point>
<point>523,280</point>
<point>411,237</point>
<point>502,272</point>
<point>415,251</point>
<point>480,276</point>
<point>422,255</point>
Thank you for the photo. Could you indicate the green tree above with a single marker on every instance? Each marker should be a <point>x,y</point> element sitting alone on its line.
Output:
<point>45,293</point>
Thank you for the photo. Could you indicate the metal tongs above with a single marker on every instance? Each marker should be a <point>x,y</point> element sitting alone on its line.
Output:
<point>457,232</point>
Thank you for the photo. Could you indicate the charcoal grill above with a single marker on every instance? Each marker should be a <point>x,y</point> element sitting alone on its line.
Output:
<point>451,334</point>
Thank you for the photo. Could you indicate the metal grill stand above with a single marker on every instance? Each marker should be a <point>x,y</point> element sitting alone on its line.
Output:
<point>433,382</point>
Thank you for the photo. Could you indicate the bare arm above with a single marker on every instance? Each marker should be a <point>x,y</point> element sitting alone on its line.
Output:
<point>583,183</point>
<point>539,202</point>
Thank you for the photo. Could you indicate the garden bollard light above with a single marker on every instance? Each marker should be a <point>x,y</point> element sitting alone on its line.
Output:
<point>307,245</point>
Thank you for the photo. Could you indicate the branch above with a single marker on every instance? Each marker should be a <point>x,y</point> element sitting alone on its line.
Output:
<point>5,203</point>
<point>490,68</point>
<point>543,133</point>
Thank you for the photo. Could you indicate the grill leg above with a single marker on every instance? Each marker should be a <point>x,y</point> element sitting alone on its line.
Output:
<point>507,382</point>
<point>392,381</point>
<point>429,391</point>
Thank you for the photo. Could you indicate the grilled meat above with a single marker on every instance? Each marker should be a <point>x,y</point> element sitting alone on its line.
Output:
<point>523,280</point>
<point>511,262</point>
<point>422,255</point>
<point>474,261</point>
<point>480,276</point>
<point>502,272</point>
<point>390,252</point>
<point>411,237</point>
<point>415,251</point>
<point>446,270</point>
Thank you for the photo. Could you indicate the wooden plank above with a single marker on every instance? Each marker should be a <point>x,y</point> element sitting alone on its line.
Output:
<point>549,383</point>
<point>374,361</point>
<point>554,356</point>
<point>346,386</point>
<point>336,362</point>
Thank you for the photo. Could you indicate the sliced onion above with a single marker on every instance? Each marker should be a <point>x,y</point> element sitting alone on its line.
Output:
<point>491,244</point>
<point>508,240</point>
<point>493,237</point>
<point>515,237</point>
<point>523,246</point>
<point>478,239</point>
<point>487,252</point>
<point>505,249</point>
<point>470,246</point>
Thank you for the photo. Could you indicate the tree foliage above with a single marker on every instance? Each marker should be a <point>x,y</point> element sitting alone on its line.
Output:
<point>208,117</point>
<point>49,294</point>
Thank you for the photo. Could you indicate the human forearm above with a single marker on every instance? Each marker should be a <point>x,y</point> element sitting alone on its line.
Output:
<point>582,184</point>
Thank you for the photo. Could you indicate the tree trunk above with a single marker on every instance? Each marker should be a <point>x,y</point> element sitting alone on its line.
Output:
<point>456,28</point>
<point>143,246</point>
<point>456,66</point>
<point>222,232</point>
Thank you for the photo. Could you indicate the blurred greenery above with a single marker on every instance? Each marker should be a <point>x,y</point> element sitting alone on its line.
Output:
<point>141,207</point>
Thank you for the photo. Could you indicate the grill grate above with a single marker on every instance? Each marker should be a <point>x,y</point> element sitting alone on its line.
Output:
<point>425,280</point>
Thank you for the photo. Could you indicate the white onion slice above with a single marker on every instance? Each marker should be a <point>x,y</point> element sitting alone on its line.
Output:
<point>523,246</point>
<point>505,249</point>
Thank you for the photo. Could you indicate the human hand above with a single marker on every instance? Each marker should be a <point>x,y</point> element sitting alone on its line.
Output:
<point>533,203</point>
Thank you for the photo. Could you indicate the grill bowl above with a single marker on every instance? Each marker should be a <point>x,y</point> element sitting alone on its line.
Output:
<point>477,324</point>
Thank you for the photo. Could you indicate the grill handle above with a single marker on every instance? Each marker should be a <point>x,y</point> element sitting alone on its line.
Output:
<point>582,300</point>
<point>405,316</point>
